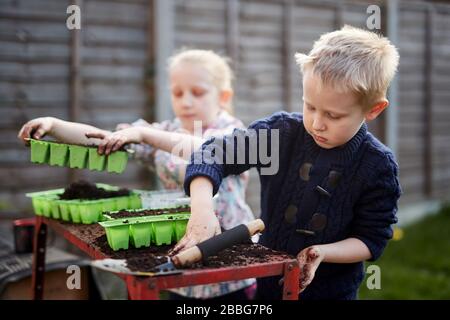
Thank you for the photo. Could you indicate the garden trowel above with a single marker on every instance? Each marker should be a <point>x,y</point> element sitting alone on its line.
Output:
<point>189,256</point>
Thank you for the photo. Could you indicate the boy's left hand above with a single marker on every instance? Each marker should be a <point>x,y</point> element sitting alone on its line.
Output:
<point>309,260</point>
<point>114,141</point>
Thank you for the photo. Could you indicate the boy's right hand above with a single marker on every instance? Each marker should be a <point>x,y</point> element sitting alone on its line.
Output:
<point>203,223</point>
<point>199,228</point>
<point>36,128</point>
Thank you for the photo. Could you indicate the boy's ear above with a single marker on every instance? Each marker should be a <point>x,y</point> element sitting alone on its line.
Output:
<point>376,109</point>
<point>226,96</point>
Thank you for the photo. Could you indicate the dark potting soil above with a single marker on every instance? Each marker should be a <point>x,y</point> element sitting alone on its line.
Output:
<point>144,213</point>
<point>102,244</point>
<point>89,191</point>
<point>146,259</point>
<point>238,255</point>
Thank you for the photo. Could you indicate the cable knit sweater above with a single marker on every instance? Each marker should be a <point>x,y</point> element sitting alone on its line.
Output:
<point>317,196</point>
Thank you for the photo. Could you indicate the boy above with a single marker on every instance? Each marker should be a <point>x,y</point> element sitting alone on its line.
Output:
<point>334,198</point>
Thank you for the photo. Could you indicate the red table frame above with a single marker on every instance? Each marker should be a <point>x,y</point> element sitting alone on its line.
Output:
<point>149,287</point>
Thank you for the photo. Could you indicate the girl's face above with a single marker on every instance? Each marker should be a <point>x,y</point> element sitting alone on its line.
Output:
<point>194,95</point>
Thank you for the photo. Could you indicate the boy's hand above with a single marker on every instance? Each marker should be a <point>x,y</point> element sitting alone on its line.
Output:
<point>309,260</point>
<point>199,228</point>
<point>114,141</point>
<point>36,128</point>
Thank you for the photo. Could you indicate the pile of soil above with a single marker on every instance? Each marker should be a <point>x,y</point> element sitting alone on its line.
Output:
<point>148,212</point>
<point>89,191</point>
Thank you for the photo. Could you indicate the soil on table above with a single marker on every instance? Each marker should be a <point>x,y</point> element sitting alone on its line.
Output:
<point>89,191</point>
<point>147,258</point>
<point>148,212</point>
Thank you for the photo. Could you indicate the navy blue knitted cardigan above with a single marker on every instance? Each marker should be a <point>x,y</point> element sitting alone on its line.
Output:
<point>317,196</point>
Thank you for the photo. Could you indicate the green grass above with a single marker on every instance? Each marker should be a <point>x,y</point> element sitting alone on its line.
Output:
<point>418,265</point>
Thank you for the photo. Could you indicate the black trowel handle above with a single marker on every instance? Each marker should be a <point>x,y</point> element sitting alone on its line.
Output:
<point>217,243</point>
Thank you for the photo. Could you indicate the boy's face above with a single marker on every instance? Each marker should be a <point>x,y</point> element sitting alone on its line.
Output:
<point>330,117</point>
<point>194,95</point>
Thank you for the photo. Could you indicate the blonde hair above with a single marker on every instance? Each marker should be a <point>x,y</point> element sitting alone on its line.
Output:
<point>217,66</point>
<point>355,60</point>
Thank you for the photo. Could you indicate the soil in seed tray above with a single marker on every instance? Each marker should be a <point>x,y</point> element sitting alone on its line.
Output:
<point>89,191</point>
<point>144,213</point>
<point>102,244</point>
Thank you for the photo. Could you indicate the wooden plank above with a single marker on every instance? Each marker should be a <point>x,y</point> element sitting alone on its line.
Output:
<point>121,92</point>
<point>322,16</point>
<point>199,7</point>
<point>114,36</point>
<point>8,156</point>
<point>192,39</point>
<point>32,32</point>
<point>232,31</point>
<point>123,13</point>
<point>260,11</point>
<point>107,120</point>
<point>34,91</point>
<point>287,52</point>
<point>44,9</point>
<point>249,55</point>
<point>412,181</point>
<point>411,197</point>
<point>13,71</point>
<point>35,177</point>
<point>33,52</point>
<point>15,117</point>
<point>201,24</point>
<point>428,103</point>
<point>113,56</point>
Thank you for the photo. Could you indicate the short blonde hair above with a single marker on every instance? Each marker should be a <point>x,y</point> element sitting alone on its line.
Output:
<point>217,66</point>
<point>355,60</point>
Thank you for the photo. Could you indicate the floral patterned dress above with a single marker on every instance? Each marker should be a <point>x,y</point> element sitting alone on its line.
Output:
<point>230,206</point>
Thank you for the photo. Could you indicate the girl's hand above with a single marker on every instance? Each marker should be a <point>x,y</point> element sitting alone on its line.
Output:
<point>36,128</point>
<point>309,260</point>
<point>122,126</point>
<point>199,228</point>
<point>114,141</point>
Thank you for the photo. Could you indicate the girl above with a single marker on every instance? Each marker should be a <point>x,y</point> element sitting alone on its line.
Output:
<point>201,93</point>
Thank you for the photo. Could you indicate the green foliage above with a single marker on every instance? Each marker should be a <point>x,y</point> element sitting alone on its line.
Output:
<point>417,266</point>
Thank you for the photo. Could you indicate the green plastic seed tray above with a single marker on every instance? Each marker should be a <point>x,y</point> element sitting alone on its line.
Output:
<point>108,205</point>
<point>90,212</point>
<point>141,234</point>
<point>135,201</point>
<point>118,236</point>
<point>117,161</point>
<point>75,156</point>
<point>180,229</point>
<point>96,161</point>
<point>48,204</point>
<point>145,231</point>
<point>64,210</point>
<point>40,151</point>
<point>122,203</point>
<point>58,154</point>
<point>74,209</point>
